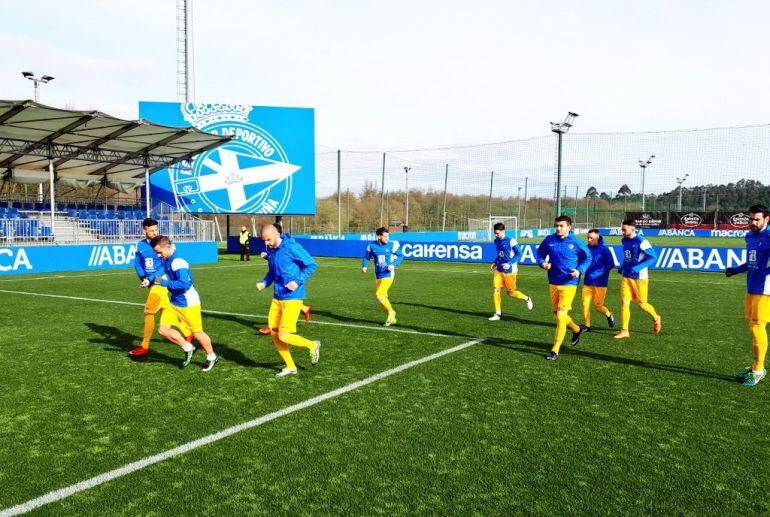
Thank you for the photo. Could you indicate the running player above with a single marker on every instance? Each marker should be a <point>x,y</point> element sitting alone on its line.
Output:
<point>506,271</point>
<point>387,256</point>
<point>596,278</point>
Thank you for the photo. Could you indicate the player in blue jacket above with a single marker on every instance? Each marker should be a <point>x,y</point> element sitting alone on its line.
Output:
<point>148,265</point>
<point>289,268</point>
<point>596,278</point>
<point>387,256</point>
<point>185,306</point>
<point>757,303</point>
<point>506,271</point>
<point>638,257</point>
<point>565,257</point>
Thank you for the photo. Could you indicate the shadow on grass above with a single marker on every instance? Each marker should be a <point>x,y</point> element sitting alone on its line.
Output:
<point>372,323</point>
<point>485,315</point>
<point>117,340</point>
<point>541,349</point>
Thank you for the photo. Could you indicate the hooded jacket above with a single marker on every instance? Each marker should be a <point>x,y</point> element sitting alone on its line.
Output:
<point>289,262</point>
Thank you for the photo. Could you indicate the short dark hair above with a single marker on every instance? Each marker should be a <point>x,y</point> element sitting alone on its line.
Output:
<point>161,240</point>
<point>149,222</point>
<point>379,231</point>
<point>565,218</point>
<point>759,209</point>
<point>498,226</point>
<point>593,230</point>
<point>629,222</point>
<point>278,227</point>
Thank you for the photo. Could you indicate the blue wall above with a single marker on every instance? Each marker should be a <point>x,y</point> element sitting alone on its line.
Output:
<point>49,259</point>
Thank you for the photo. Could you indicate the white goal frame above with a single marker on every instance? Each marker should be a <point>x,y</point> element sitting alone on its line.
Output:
<point>486,224</point>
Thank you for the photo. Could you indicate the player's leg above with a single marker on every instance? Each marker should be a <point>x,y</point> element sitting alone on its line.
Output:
<point>191,316</point>
<point>600,294</point>
<point>157,300</point>
<point>287,330</point>
<point>561,303</point>
<point>497,297</point>
<point>383,286</point>
<point>306,309</point>
<point>510,287</point>
<point>274,321</point>
<point>587,299</point>
<point>625,308</point>
<point>641,292</point>
<point>758,314</point>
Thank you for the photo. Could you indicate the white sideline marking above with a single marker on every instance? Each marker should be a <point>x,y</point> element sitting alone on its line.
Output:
<point>58,495</point>
<point>125,271</point>
<point>209,311</point>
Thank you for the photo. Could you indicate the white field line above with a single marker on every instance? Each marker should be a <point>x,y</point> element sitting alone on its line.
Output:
<point>62,493</point>
<point>127,271</point>
<point>208,311</point>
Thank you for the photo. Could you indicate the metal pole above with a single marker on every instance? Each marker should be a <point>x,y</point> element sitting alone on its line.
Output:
<point>704,199</point>
<point>558,177</point>
<point>491,186</point>
<point>518,210</point>
<point>526,180</point>
<point>147,186</point>
<point>339,195</point>
<point>382,191</point>
<point>446,180</point>
<point>577,193</point>
<point>406,207</point>
<point>53,198</point>
<point>644,169</point>
<point>679,205</point>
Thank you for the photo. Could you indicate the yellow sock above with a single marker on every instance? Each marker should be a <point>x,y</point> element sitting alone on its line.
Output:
<point>759,338</point>
<point>283,351</point>
<point>518,295</point>
<point>574,327</point>
<point>561,330</point>
<point>497,297</point>
<point>604,310</point>
<point>297,340</point>
<point>625,315</point>
<point>385,303</point>
<point>649,309</point>
<point>587,299</point>
<point>149,328</point>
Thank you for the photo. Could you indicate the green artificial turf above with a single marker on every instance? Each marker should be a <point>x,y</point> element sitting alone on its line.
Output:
<point>654,424</point>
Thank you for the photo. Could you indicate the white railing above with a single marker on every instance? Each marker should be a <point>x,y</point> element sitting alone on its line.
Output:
<point>69,230</point>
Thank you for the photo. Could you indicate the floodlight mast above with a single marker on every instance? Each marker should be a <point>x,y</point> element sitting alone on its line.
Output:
<point>406,208</point>
<point>680,181</point>
<point>36,81</point>
<point>560,128</point>
<point>644,166</point>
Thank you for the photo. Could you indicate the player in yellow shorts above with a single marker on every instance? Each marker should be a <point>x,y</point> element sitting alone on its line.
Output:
<point>147,265</point>
<point>290,266</point>
<point>757,301</point>
<point>387,256</point>
<point>596,278</point>
<point>638,256</point>
<point>506,271</point>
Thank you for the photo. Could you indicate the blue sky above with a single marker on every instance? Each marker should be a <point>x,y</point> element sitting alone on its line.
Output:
<point>407,74</point>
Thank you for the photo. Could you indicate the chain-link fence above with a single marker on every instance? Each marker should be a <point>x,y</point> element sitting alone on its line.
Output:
<point>603,176</point>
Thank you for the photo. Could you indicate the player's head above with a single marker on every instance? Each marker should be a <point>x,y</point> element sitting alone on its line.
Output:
<point>628,228</point>
<point>150,227</point>
<point>243,228</point>
<point>271,236</point>
<point>593,237</point>
<point>499,229</point>
<point>562,225</point>
<point>162,246</point>
<point>758,218</point>
<point>382,235</point>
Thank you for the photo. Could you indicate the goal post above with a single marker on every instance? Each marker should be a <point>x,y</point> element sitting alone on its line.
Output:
<point>487,224</point>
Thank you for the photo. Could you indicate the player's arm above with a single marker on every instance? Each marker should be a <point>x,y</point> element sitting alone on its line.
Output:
<point>542,254</point>
<point>307,265</point>
<point>184,278</point>
<point>607,262</point>
<point>584,256</point>
<point>651,257</point>
<point>741,268</point>
<point>367,257</point>
<point>269,278</point>
<point>397,257</point>
<point>516,252</point>
<point>139,266</point>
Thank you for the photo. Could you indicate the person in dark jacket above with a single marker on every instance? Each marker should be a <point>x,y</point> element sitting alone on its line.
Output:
<point>244,240</point>
<point>596,278</point>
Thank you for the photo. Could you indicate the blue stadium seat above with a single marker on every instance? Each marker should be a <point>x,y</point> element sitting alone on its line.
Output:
<point>27,206</point>
<point>72,212</point>
<point>16,204</point>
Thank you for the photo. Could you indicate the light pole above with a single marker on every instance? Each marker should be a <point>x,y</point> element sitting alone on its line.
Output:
<point>680,181</point>
<point>518,211</point>
<point>406,208</point>
<point>560,128</point>
<point>644,166</point>
<point>37,80</point>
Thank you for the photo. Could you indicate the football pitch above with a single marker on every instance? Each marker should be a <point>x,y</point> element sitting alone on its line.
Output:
<point>446,413</point>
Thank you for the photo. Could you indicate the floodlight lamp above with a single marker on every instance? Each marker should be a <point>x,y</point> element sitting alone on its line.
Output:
<point>27,74</point>
<point>47,78</point>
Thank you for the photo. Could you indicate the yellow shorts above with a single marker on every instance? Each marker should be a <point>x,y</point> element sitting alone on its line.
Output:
<point>157,299</point>
<point>758,307</point>
<point>562,296</point>
<point>383,284</point>
<point>191,316</point>
<point>504,280</point>
<point>283,315</point>
<point>597,293</point>
<point>633,289</point>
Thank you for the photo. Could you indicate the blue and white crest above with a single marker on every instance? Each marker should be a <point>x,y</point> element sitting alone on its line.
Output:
<point>267,168</point>
<point>250,174</point>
